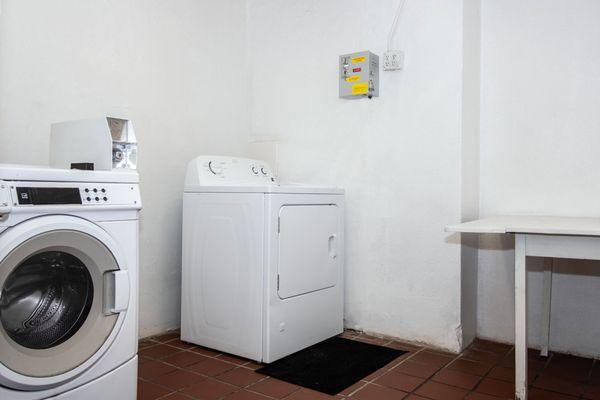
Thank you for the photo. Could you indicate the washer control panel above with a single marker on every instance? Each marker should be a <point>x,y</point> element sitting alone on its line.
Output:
<point>85,194</point>
<point>217,170</point>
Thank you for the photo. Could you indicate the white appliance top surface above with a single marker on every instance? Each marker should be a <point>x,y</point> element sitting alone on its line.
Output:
<point>15,172</point>
<point>218,174</point>
<point>290,188</point>
<point>535,224</point>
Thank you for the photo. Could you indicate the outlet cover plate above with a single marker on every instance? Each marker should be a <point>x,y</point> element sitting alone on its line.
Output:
<point>393,60</point>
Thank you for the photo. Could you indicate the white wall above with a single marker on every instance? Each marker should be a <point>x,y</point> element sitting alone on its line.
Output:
<point>470,188</point>
<point>408,159</point>
<point>171,66</point>
<point>540,125</point>
<point>398,156</point>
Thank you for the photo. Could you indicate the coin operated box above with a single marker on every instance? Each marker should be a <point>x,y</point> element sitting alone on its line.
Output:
<point>359,75</point>
<point>105,143</point>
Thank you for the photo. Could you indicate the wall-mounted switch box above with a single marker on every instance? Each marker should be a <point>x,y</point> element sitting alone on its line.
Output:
<point>359,75</point>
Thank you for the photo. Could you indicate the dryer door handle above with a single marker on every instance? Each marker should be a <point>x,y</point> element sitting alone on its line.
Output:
<point>116,291</point>
<point>332,246</point>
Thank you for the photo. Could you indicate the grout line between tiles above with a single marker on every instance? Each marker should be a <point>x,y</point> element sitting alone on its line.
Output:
<point>414,391</point>
<point>486,375</point>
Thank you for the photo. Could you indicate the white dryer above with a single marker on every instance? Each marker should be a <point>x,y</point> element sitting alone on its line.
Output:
<point>262,262</point>
<point>68,284</point>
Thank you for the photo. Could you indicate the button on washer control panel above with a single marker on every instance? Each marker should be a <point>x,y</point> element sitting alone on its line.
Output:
<point>95,195</point>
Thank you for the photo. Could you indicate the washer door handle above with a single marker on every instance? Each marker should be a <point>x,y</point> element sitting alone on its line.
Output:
<point>5,200</point>
<point>116,291</point>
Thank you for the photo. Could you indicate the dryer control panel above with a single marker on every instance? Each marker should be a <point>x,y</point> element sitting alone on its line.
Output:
<point>218,170</point>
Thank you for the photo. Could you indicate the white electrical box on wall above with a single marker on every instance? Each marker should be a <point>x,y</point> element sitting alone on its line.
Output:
<point>359,75</point>
<point>393,60</point>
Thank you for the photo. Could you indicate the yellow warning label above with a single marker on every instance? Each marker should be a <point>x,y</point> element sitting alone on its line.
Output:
<point>360,88</point>
<point>353,78</point>
<point>359,59</point>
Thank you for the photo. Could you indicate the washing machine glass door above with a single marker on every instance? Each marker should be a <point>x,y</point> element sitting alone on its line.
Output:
<point>57,302</point>
<point>46,299</point>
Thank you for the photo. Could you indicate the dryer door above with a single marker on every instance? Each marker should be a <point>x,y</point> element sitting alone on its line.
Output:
<point>308,240</point>
<point>61,294</point>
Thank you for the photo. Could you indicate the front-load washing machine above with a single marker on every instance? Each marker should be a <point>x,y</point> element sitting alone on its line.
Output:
<point>68,284</point>
<point>262,263</point>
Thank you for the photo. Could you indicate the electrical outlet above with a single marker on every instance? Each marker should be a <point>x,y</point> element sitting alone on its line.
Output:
<point>393,60</point>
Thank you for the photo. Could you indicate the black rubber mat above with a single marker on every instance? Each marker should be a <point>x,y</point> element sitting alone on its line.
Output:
<point>331,366</point>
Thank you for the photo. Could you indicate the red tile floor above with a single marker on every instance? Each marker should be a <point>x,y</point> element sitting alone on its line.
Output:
<point>173,370</point>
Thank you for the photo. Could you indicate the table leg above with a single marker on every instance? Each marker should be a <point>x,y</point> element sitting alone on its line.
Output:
<point>520,317</point>
<point>546,305</point>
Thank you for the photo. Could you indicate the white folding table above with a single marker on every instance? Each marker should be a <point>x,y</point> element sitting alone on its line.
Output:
<point>537,236</point>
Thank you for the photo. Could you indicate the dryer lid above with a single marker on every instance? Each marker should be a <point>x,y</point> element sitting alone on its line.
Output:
<point>286,188</point>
